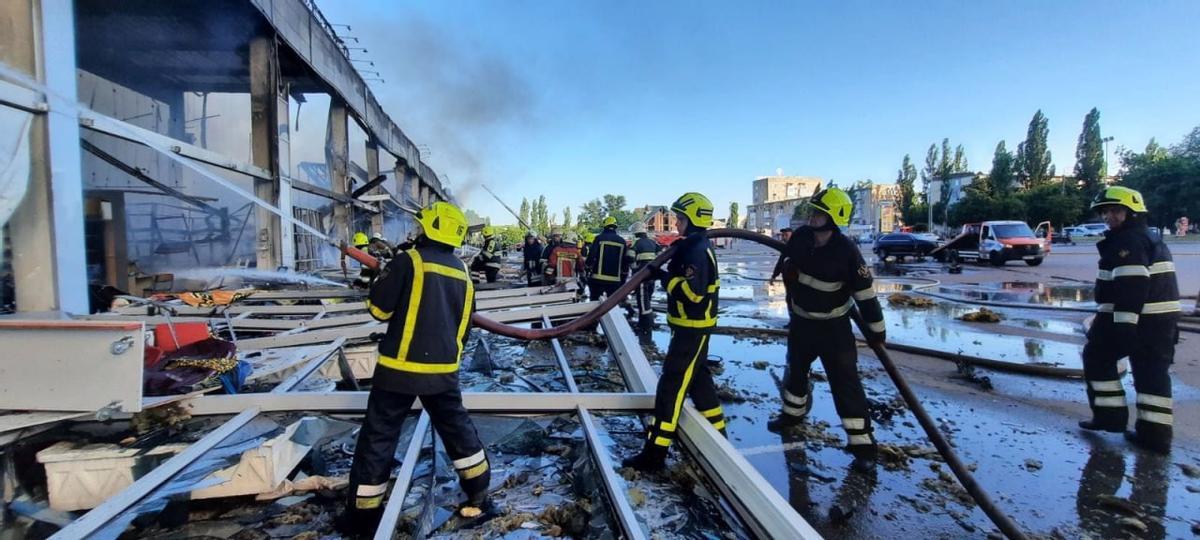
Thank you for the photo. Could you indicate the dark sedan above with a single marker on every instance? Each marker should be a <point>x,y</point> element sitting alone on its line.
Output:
<point>901,245</point>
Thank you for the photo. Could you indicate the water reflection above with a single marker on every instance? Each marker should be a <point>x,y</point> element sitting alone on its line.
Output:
<point>1103,513</point>
<point>1023,292</point>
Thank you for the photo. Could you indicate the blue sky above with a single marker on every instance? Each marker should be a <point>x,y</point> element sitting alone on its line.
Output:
<point>650,99</point>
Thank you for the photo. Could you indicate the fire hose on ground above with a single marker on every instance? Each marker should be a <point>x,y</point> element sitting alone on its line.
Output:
<point>999,518</point>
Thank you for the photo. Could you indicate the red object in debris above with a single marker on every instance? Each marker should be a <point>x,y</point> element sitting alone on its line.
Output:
<point>152,357</point>
<point>185,334</point>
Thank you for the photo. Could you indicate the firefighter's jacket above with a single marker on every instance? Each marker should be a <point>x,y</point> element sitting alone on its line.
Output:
<point>1136,286</point>
<point>643,251</point>
<point>692,284</point>
<point>490,254</point>
<point>426,297</point>
<point>606,259</point>
<point>563,261</point>
<point>533,257</point>
<point>824,283</point>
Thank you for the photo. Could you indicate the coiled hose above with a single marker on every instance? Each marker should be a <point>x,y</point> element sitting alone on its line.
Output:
<point>999,518</point>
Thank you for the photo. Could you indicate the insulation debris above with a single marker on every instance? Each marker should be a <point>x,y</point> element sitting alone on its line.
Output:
<point>984,315</point>
<point>909,300</point>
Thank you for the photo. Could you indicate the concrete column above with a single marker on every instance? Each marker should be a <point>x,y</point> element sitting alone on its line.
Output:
<point>337,150</point>
<point>372,173</point>
<point>49,256</point>
<point>414,184</point>
<point>264,151</point>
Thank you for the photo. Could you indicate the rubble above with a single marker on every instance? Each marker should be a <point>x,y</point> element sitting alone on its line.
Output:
<point>983,315</point>
<point>909,300</point>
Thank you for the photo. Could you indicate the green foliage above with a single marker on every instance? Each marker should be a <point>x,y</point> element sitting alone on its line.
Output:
<point>1089,155</point>
<point>539,216</point>
<point>1053,203</point>
<point>960,159</point>
<point>1000,181</point>
<point>524,213</point>
<point>906,179</point>
<point>734,218</point>
<point>510,235</point>
<point>593,212</point>
<point>979,205</point>
<point>567,223</point>
<point>1034,154</point>
<point>1169,180</point>
<point>917,214</point>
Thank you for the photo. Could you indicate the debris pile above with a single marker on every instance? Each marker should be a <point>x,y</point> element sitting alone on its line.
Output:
<point>984,315</point>
<point>909,300</point>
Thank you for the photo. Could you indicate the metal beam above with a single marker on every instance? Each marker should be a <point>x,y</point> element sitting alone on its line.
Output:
<point>308,369</point>
<point>758,503</point>
<point>561,356</point>
<point>395,501</point>
<point>101,515</point>
<point>483,402</point>
<point>626,517</point>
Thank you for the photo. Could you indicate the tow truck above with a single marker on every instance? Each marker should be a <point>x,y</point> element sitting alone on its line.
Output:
<point>998,242</point>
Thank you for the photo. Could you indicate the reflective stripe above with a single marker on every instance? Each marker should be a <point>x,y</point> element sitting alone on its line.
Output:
<point>1109,401</point>
<point>854,423</point>
<point>648,256</point>
<point>444,270</point>
<point>1156,417</point>
<point>378,314</point>
<point>865,294</point>
<point>418,367</point>
<point>877,327</point>
<point>466,318</point>
<point>687,380</point>
<point>1125,317</point>
<point>1110,386</point>
<point>668,427</point>
<point>827,286</point>
<point>687,292</point>
<point>414,306</point>
<point>1162,267</point>
<point>473,472</point>
<point>689,323</point>
<point>371,490</point>
<point>719,425</point>
<point>821,316</point>
<point>794,399</point>
<point>470,461</point>
<point>1152,308</point>
<point>1131,270</point>
<point>1104,275</point>
<point>1157,401</point>
<point>711,412</point>
<point>599,274</point>
<point>368,503</point>
<point>793,411</point>
<point>400,361</point>
<point>602,277</point>
<point>1104,308</point>
<point>492,265</point>
<point>662,441</point>
<point>860,440</point>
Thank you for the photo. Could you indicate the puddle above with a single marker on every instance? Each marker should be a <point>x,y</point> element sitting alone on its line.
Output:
<point>515,366</point>
<point>1019,292</point>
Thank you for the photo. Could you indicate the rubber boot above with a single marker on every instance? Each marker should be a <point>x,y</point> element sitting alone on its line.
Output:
<point>476,510</point>
<point>1154,444</point>
<point>1096,425</point>
<point>865,457</point>
<point>783,422</point>
<point>358,523</point>
<point>652,458</point>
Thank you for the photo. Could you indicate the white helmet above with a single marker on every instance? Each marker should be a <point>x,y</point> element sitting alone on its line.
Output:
<point>639,228</point>
<point>570,238</point>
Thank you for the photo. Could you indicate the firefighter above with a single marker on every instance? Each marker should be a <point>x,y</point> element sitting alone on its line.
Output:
<point>533,257</point>
<point>1137,317</point>
<point>424,292</point>
<point>489,255</point>
<point>563,263</point>
<point>692,292</point>
<point>643,251</point>
<point>544,262</point>
<point>825,276</point>
<point>362,242</point>
<point>606,263</point>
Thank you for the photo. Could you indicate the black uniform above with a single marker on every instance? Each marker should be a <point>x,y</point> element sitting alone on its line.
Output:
<point>692,296</point>
<point>424,292</point>
<point>643,251</point>
<point>533,266</point>
<point>606,264</point>
<point>490,257</point>
<point>1139,309</point>
<point>823,284</point>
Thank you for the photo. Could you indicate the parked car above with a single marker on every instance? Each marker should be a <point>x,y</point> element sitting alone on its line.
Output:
<point>901,245</point>
<point>998,242</point>
<point>1093,229</point>
<point>1074,231</point>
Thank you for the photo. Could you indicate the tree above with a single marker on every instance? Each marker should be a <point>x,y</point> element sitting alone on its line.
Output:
<point>1169,179</point>
<point>1000,180</point>
<point>540,216</point>
<point>1049,202</point>
<point>591,214</point>
<point>567,224</point>
<point>1034,152</point>
<point>979,205</point>
<point>906,179</point>
<point>614,204</point>
<point>524,214</point>
<point>733,215</point>
<point>1089,156</point>
<point>960,159</point>
<point>946,164</point>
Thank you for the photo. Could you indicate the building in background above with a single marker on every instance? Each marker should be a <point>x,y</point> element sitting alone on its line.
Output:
<point>775,199</point>
<point>658,219</point>
<point>956,183</point>
<point>874,209</point>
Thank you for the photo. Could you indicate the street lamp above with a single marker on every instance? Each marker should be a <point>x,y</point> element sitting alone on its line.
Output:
<point>1104,172</point>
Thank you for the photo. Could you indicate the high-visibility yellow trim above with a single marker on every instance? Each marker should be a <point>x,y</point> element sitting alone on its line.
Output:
<point>719,425</point>
<point>1131,270</point>
<point>444,270</point>
<point>473,472</point>
<point>647,256</point>
<point>673,282</point>
<point>1157,401</point>
<point>689,323</point>
<point>1125,317</point>
<point>687,380</point>
<point>662,441</point>
<point>600,274</point>
<point>378,314</point>
<point>687,292</point>
<point>711,412</point>
<point>602,277</point>
<point>466,318</point>
<point>1162,267</point>
<point>414,306</point>
<point>826,286</point>
<point>823,315</point>
<point>370,490</point>
<point>668,427</point>
<point>368,503</point>
<point>418,367</point>
<point>1156,417</point>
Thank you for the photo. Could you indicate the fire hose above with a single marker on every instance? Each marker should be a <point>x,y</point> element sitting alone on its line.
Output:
<point>964,476</point>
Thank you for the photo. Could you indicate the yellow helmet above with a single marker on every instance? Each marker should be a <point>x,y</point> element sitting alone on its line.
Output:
<point>609,221</point>
<point>697,208</point>
<point>488,231</point>
<point>589,237</point>
<point>834,202</point>
<point>444,223</point>
<point>1120,195</point>
<point>360,239</point>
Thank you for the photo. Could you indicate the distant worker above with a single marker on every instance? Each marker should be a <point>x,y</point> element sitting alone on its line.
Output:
<point>692,295</point>
<point>1138,312</point>
<point>785,234</point>
<point>361,242</point>
<point>532,258</point>
<point>563,263</point>
<point>489,254</point>
<point>825,276</point>
<point>606,263</point>
<point>552,242</point>
<point>643,251</point>
<point>426,294</point>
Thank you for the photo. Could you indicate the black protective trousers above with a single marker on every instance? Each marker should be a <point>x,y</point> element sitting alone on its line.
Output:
<point>833,342</point>
<point>379,437</point>
<point>685,373</point>
<point>645,311</point>
<point>598,287</point>
<point>1150,358</point>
